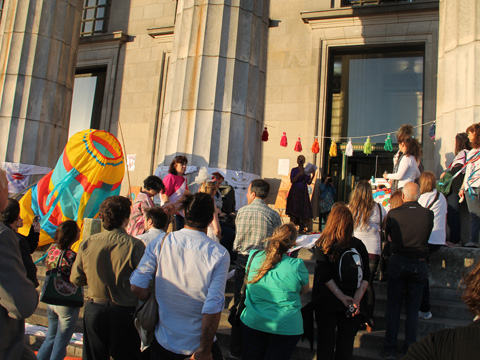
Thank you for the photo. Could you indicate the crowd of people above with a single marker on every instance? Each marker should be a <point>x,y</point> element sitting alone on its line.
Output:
<point>179,254</point>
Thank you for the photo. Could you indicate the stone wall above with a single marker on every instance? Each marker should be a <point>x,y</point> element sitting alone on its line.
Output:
<point>458,104</point>
<point>38,50</point>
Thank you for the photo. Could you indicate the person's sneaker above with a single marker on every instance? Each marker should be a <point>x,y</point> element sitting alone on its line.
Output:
<point>470,244</point>
<point>425,315</point>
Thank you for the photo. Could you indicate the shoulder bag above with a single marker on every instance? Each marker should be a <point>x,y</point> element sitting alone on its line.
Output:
<point>237,309</point>
<point>57,288</point>
<point>386,250</point>
<point>146,314</point>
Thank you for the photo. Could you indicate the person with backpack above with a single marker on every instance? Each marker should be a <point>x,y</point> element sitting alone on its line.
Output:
<point>341,278</point>
<point>368,219</point>
<point>456,175</point>
<point>408,227</point>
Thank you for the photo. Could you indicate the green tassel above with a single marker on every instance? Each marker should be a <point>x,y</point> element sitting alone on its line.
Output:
<point>388,143</point>
<point>367,147</point>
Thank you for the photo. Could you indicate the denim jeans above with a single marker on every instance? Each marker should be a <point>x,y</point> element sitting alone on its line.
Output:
<point>425,304</point>
<point>474,210</point>
<point>61,323</point>
<point>406,280</point>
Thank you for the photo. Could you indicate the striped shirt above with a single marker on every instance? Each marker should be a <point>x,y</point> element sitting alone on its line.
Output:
<point>254,223</point>
<point>472,174</point>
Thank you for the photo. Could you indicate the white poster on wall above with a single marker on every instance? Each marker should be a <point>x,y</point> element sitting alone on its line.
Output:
<point>283,166</point>
<point>131,162</point>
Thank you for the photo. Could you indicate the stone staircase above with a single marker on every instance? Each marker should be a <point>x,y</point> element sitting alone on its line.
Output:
<point>447,308</point>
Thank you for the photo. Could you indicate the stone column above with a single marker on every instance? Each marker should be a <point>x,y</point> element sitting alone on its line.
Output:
<point>458,91</point>
<point>38,52</point>
<point>216,84</point>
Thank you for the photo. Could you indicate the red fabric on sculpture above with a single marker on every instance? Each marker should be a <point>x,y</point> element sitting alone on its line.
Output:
<point>265,134</point>
<point>283,140</point>
<point>298,146</point>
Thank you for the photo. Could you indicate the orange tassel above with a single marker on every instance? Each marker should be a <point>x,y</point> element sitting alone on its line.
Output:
<point>315,147</point>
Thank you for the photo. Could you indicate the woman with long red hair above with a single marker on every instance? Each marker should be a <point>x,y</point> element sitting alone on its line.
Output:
<point>336,300</point>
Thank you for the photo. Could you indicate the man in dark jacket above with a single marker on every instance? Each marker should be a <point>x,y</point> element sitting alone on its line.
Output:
<point>18,297</point>
<point>408,228</point>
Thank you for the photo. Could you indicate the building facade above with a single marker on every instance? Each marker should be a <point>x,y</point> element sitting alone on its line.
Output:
<point>205,77</point>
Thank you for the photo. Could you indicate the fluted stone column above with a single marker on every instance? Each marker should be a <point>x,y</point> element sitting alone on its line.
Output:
<point>216,84</point>
<point>38,51</point>
<point>458,92</point>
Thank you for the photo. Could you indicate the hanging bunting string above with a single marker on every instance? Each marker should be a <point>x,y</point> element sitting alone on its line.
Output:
<point>352,137</point>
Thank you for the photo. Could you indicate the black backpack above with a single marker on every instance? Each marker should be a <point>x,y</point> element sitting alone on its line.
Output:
<point>350,269</point>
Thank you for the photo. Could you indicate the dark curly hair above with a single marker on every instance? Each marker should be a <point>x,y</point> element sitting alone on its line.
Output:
<point>66,234</point>
<point>413,147</point>
<point>406,130</point>
<point>475,129</point>
<point>11,212</point>
<point>158,216</point>
<point>154,183</point>
<point>180,159</point>
<point>461,142</point>
<point>471,293</point>
<point>114,210</point>
<point>199,210</point>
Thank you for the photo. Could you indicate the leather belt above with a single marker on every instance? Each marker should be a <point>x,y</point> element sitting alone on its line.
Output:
<point>100,301</point>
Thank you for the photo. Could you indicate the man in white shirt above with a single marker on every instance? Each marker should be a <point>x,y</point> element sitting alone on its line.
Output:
<point>156,220</point>
<point>190,273</point>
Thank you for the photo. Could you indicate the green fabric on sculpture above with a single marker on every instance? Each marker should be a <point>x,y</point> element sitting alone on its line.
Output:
<point>388,143</point>
<point>367,147</point>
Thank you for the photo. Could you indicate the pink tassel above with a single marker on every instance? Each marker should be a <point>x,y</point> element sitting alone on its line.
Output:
<point>283,140</point>
<point>265,134</point>
<point>298,146</point>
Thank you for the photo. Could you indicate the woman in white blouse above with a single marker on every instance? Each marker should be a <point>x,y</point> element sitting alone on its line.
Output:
<point>368,219</point>
<point>406,169</point>
<point>471,183</point>
<point>431,199</point>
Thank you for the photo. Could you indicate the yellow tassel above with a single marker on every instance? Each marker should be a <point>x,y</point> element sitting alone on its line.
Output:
<point>333,149</point>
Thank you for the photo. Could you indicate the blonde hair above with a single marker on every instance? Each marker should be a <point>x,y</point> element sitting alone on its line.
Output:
<point>427,182</point>
<point>208,187</point>
<point>361,204</point>
<point>396,199</point>
<point>283,238</point>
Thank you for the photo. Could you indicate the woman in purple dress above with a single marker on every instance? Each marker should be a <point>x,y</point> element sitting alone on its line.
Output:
<point>299,207</point>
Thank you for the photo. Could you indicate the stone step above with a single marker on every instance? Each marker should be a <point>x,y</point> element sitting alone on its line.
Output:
<point>34,342</point>
<point>456,310</point>
<point>40,318</point>
<point>436,292</point>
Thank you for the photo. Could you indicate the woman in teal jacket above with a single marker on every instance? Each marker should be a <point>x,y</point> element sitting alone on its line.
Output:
<point>272,321</point>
